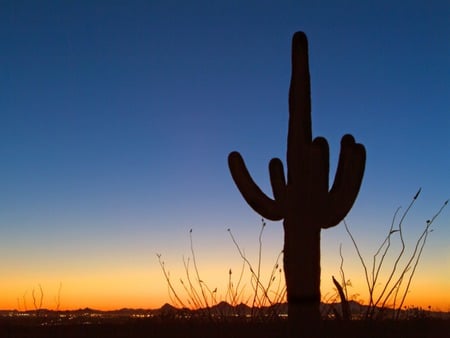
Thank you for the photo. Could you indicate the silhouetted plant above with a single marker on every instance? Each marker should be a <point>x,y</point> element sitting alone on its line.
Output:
<point>304,201</point>
<point>340,294</point>
<point>234,294</point>
<point>24,301</point>
<point>199,296</point>
<point>391,291</point>
<point>58,297</point>
<point>37,300</point>
<point>344,302</point>
<point>264,300</point>
<point>173,295</point>
<point>264,294</point>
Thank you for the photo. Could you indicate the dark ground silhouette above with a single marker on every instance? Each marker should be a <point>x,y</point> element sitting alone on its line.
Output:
<point>198,328</point>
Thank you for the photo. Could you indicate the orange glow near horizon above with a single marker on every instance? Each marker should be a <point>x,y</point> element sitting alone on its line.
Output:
<point>149,291</point>
<point>113,302</point>
<point>135,280</point>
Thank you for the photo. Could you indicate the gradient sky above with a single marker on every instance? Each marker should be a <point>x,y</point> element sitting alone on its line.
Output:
<point>117,118</point>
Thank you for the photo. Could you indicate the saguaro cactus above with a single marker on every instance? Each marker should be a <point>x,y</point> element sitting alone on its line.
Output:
<point>305,201</point>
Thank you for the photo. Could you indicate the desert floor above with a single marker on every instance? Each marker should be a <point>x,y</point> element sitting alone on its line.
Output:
<point>160,328</point>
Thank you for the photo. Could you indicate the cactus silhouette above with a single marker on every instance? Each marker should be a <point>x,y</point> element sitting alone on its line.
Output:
<point>304,202</point>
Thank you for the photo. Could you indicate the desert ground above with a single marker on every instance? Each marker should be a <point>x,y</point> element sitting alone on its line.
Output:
<point>239,327</point>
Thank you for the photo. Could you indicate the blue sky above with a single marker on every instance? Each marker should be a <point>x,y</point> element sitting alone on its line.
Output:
<point>117,118</point>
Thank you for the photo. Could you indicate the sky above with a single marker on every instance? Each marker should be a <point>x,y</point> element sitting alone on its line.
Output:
<point>117,118</point>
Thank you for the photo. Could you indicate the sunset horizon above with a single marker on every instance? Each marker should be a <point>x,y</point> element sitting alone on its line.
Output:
<point>103,295</point>
<point>118,120</point>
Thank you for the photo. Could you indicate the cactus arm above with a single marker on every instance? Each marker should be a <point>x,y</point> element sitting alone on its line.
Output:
<point>346,185</point>
<point>278,181</point>
<point>318,183</point>
<point>253,195</point>
<point>320,157</point>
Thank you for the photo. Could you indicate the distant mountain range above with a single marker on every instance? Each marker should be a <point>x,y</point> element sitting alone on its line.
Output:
<point>218,310</point>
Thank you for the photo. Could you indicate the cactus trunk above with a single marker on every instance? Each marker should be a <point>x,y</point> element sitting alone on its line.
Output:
<point>302,278</point>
